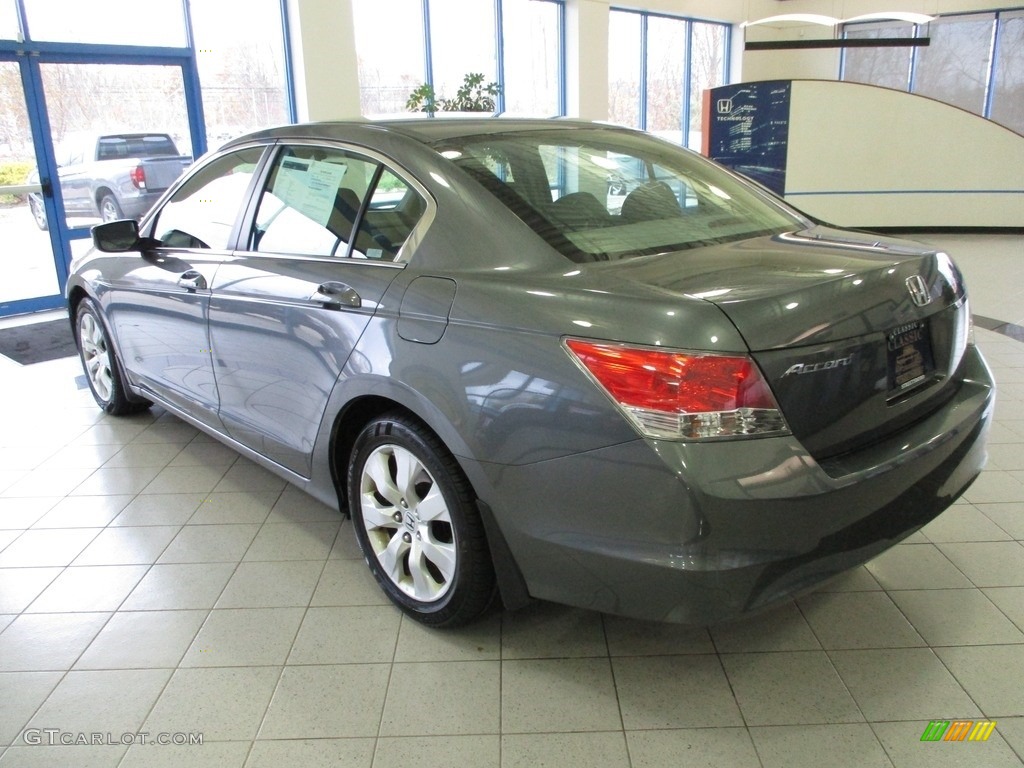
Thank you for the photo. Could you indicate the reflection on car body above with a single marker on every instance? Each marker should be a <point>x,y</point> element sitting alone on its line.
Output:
<point>520,382</point>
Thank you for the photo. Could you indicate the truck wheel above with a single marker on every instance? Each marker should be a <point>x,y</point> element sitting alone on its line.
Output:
<point>109,209</point>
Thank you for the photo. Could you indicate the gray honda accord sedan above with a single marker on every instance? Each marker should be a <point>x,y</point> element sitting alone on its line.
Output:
<point>673,397</point>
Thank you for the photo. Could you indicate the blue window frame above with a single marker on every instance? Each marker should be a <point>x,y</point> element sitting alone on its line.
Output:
<point>47,39</point>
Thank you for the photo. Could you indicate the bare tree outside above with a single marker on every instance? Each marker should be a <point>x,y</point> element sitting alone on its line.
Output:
<point>888,67</point>
<point>708,52</point>
<point>1008,97</point>
<point>684,58</point>
<point>666,72</point>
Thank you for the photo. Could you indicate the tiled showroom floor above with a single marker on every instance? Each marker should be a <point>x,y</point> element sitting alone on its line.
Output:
<point>152,581</point>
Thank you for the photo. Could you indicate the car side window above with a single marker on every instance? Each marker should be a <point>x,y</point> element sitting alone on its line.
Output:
<point>203,211</point>
<point>394,210</point>
<point>312,201</point>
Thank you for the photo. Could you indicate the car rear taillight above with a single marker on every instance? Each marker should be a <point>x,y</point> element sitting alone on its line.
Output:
<point>683,395</point>
<point>138,176</point>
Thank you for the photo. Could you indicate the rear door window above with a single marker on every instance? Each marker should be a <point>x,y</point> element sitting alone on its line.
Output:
<point>312,201</point>
<point>394,210</point>
<point>322,201</point>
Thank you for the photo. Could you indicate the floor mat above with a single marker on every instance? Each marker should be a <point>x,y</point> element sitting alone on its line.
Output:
<point>38,342</point>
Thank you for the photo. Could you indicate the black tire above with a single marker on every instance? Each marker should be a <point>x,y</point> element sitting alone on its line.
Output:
<point>99,361</point>
<point>109,209</point>
<point>38,213</point>
<point>424,544</point>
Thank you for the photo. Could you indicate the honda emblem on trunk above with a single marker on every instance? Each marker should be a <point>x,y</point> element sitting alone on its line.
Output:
<point>918,290</point>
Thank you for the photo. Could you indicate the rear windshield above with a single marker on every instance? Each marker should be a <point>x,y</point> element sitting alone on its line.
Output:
<point>600,194</point>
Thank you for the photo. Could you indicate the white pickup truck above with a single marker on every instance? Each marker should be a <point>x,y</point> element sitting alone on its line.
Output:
<point>111,175</point>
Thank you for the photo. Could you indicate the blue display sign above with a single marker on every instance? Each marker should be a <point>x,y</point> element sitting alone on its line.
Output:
<point>749,130</point>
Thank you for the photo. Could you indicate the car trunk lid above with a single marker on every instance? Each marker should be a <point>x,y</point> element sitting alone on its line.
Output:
<point>856,336</point>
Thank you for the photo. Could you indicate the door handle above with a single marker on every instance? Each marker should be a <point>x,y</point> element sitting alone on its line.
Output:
<point>192,281</point>
<point>336,294</point>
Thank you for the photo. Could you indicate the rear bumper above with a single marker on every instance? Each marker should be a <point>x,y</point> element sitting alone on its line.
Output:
<point>698,533</point>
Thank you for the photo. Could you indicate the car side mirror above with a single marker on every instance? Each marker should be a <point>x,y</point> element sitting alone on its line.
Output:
<point>116,236</point>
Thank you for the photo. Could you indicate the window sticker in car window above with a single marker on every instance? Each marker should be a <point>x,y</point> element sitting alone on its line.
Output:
<point>309,186</point>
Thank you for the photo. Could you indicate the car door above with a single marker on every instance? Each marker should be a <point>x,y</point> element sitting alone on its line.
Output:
<point>158,306</point>
<point>286,313</point>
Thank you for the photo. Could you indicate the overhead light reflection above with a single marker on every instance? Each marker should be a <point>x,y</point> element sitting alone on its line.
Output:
<point>711,294</point>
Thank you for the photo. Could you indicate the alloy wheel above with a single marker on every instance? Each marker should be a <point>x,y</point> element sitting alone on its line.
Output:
<point>408,523</point>
<point>96,356</point>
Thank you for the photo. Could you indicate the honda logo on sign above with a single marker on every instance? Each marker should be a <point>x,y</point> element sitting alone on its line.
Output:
<point>724,106</point>
<point>918,290</point>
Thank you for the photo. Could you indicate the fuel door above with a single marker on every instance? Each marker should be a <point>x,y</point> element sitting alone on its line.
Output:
<point>423,314</point>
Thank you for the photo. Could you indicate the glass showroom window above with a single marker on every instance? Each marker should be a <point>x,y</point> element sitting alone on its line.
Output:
<point>241,64</point>
<point>709,54</point>
<point>974,61</point>
<point>388,73</point>
<point>461,38</point>
<point>659,67</point>
<point>666,59</point>
<point>532,50</point>
<point>888,67</point>
<point>955,67</point>
<point>111,22</point>
<point>1008,77</point>
<point>8,21</point>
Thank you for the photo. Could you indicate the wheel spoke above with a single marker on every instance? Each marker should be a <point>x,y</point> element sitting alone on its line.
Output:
<point>423,585</point>
<point>87,328</point>
<point>105,383</point>
<point>379,472</point>
<point>392,559</point>
<point>376,516</point>
<point>433,506</point>
<point>407,470</point>
<point>442,555</point>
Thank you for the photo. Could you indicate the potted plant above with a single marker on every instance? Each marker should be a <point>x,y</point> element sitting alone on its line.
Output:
<point>472,96</point>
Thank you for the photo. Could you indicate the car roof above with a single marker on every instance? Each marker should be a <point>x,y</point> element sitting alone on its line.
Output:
<point>427,130</point>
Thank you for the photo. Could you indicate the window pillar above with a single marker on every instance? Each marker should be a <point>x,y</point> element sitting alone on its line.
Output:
<point>587,58</point>
<point>324,59</point>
